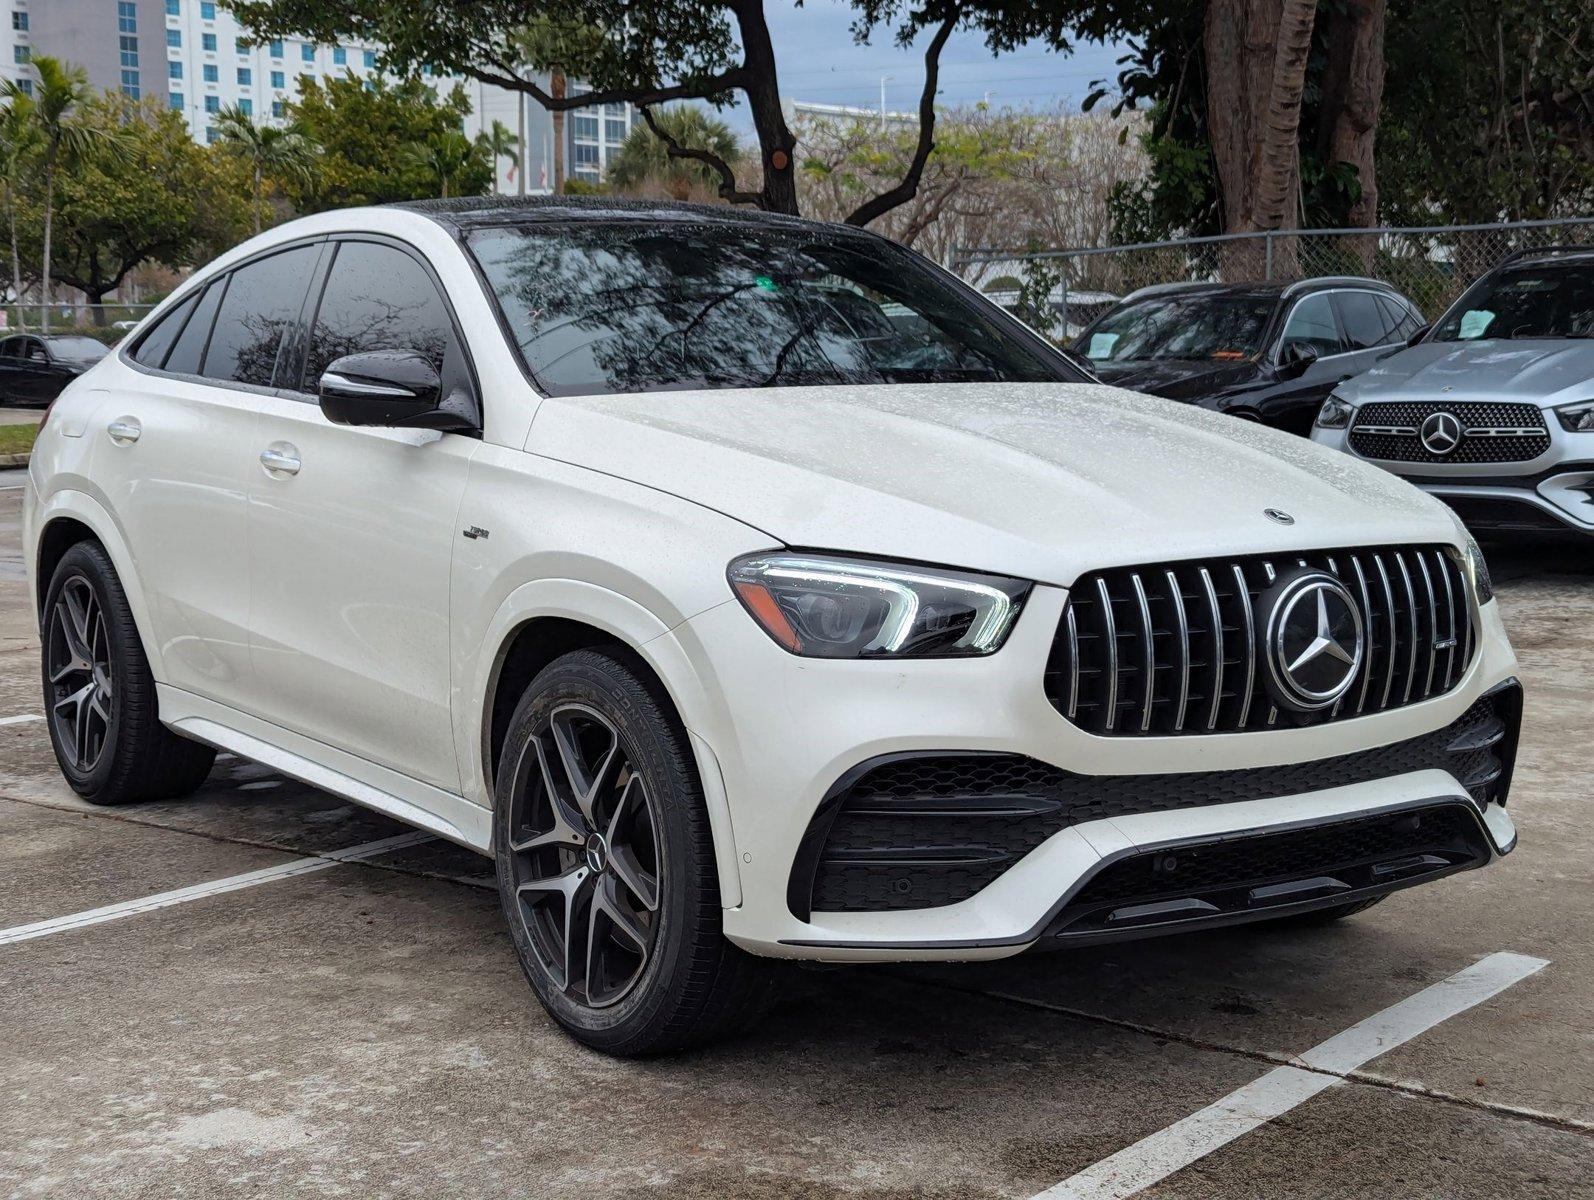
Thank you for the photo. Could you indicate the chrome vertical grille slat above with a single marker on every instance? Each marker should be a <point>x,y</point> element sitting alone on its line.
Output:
<point>1131,652</point>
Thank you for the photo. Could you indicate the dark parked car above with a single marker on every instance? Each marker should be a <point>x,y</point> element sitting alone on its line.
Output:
<point>1270,352</point>
<point>35,367</point>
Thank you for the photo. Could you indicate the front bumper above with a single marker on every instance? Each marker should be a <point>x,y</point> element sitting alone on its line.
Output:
<point>800,725</point>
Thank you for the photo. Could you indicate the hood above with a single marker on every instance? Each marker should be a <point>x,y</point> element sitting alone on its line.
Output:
<point>1040,481</point>
<point>1178,379</point>
<point>1545,372</point>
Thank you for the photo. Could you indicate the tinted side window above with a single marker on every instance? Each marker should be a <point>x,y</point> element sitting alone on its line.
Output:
<point>1364,322</point>
<point>158,341</point>
<point>1313,321</point>
<point>377,298</point>
<point>260,310</point>
<point>1402,318</point>
<point>189,349</point>
<point>11,348</point>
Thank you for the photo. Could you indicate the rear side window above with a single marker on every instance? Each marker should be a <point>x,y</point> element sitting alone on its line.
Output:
<point>1365,326</point>
<point>157,343</point>
<point>189,349</point>
<point>258,314</point>
<point>1404,319</point>
<point>1312,321</point>
<point>378,298</point>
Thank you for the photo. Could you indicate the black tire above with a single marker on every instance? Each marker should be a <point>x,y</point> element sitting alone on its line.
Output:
<point>660,979</point>
<point>101,707</point>
<point>1327,916</point>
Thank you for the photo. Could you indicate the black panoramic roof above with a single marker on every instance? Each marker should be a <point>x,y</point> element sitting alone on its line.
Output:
<point>470,212</point>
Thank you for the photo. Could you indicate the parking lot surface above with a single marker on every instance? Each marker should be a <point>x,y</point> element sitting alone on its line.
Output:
<point>361,1027</point>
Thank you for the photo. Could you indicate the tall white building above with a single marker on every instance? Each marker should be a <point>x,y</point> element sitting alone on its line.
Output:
<point>193,56</point>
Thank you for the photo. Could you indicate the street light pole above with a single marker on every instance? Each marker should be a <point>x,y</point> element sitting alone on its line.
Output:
<point>884,79</point>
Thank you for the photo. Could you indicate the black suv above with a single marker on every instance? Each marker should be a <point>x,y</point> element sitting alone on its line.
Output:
<point>1269,352</point>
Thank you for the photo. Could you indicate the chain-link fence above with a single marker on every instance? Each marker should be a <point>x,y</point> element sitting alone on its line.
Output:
<point>107,322</point>
<point>1061,291</point>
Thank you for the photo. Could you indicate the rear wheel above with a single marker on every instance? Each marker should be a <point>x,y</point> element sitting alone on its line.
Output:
<point>99,695</point>
<point>606,864</point>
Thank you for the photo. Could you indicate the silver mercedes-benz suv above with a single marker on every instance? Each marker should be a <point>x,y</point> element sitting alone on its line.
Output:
<point>1493,409</point>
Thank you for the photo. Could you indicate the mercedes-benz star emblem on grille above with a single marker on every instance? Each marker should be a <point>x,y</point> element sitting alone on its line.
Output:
<point>1440,433</point>
<point>1314,639</point>
<point>1279,515</point>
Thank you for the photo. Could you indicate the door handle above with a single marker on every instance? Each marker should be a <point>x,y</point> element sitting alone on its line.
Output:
<point>124,431</point>
<point>280,459</point>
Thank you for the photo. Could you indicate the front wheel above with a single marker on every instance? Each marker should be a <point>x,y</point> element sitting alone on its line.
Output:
<point>606,864</point>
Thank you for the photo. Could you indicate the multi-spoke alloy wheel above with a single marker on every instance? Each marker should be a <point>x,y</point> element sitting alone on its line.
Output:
<point>585,849</point>
<point>606,864</point>
<point>81,675</point>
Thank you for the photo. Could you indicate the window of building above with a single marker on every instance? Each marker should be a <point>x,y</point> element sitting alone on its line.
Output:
<point>174,70</point>
<point>340,56</point>
<point>26,86</point>
<point>129,50</point>
<point>207,42</point>
<point>584,128</point>
<point>276,47</point>
<point>614,131</point>
<point>246,77</point>
<point>175,100</point>
<point>174,38</point>
<point>246,106</point>
<point>207,11</point>
<point>212,75</point>
<point>307,51</point>
<point>370,59</point>
<point>277,109</point>
<point>586,155</point>
<point>212,104</point>
<point>19,21</point>
<point>21,54</point>
<point>278,79</point>
<point>127,16</point>
<point>174,8</point>
<point>212,135</point>
<point>130,87</point>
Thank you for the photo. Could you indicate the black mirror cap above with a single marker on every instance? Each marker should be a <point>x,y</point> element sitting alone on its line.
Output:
<point>394,388</point>
<point>1418,336</point>
<point>1296,358</point>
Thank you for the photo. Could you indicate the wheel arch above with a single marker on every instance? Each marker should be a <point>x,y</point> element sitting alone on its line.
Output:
<point>541,621</point>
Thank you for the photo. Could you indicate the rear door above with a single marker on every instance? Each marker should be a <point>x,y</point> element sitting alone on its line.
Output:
<point>174,450</point>
<point>352,532</point>
<point>1369,333</point>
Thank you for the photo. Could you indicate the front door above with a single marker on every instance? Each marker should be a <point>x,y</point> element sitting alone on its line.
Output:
<point>352,532</point>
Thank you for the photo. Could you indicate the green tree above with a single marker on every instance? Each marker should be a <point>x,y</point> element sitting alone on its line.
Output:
<point>644,160</point>
<point>58,93</point>
<point>645,52</point>
<point>146,194</point>
<point>359,127</point>
<point>445,156</point>
<point>18,136</point>
<point>498,142</point>
<point>269,150</point>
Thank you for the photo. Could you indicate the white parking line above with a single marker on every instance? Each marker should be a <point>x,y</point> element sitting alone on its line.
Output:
<point>199,891</point>
<point>1154,1158</point>
<point>20,720</point>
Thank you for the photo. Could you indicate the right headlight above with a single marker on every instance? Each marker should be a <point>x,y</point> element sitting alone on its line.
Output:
<point>825,606</point>
<point>1477,568</point>
<point>1335,413</point>
<point>1577,418</point>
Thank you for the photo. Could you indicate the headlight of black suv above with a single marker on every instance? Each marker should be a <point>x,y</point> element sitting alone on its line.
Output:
<point>1577,418</point>
<point>1335,413</point>
<point>824,606</point>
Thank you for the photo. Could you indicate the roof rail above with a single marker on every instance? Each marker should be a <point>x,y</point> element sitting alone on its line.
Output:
<point>1542,252</point>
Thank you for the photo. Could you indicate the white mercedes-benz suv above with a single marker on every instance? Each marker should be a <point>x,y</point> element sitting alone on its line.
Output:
<point>748,588</point>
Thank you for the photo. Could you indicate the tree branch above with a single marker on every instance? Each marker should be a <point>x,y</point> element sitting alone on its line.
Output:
<point>505,76</point>
<point>908,188</point>
<point>727,177</point>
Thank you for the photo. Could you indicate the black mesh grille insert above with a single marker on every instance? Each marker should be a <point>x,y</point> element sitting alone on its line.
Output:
<point>1491,433</point>
<point>925,830</point>
<point>1176,648</point>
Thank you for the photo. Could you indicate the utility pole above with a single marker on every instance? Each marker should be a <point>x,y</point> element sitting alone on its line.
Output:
<point>884,79</point>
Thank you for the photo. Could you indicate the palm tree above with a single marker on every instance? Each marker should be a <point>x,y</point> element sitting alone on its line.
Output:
<point>18,135</point>
<point>266,148</point>
<point>644,158</point>
<point>60,89</point>
<point>499,142</point>
<point>444,156</point>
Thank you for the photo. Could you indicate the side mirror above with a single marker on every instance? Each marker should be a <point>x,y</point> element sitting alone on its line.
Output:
<point>1297,357</point>
<point>1418,336</point>
<point>395,388</point>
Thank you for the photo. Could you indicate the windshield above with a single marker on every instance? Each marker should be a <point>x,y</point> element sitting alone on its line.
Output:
<point>629,306</point>
<point>1540,301</point>
<point>1206,326</point>
<point>84,349</point>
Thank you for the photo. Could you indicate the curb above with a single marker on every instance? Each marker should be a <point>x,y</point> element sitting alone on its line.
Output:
<point>13,460</point>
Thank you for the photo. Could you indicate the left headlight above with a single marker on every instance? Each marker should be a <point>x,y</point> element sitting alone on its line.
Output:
<point>821,606</point>
<point>1335,414</point>
<point>1577,418</point>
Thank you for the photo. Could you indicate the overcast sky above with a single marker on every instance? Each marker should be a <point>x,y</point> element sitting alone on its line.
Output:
<point>819,61</point>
